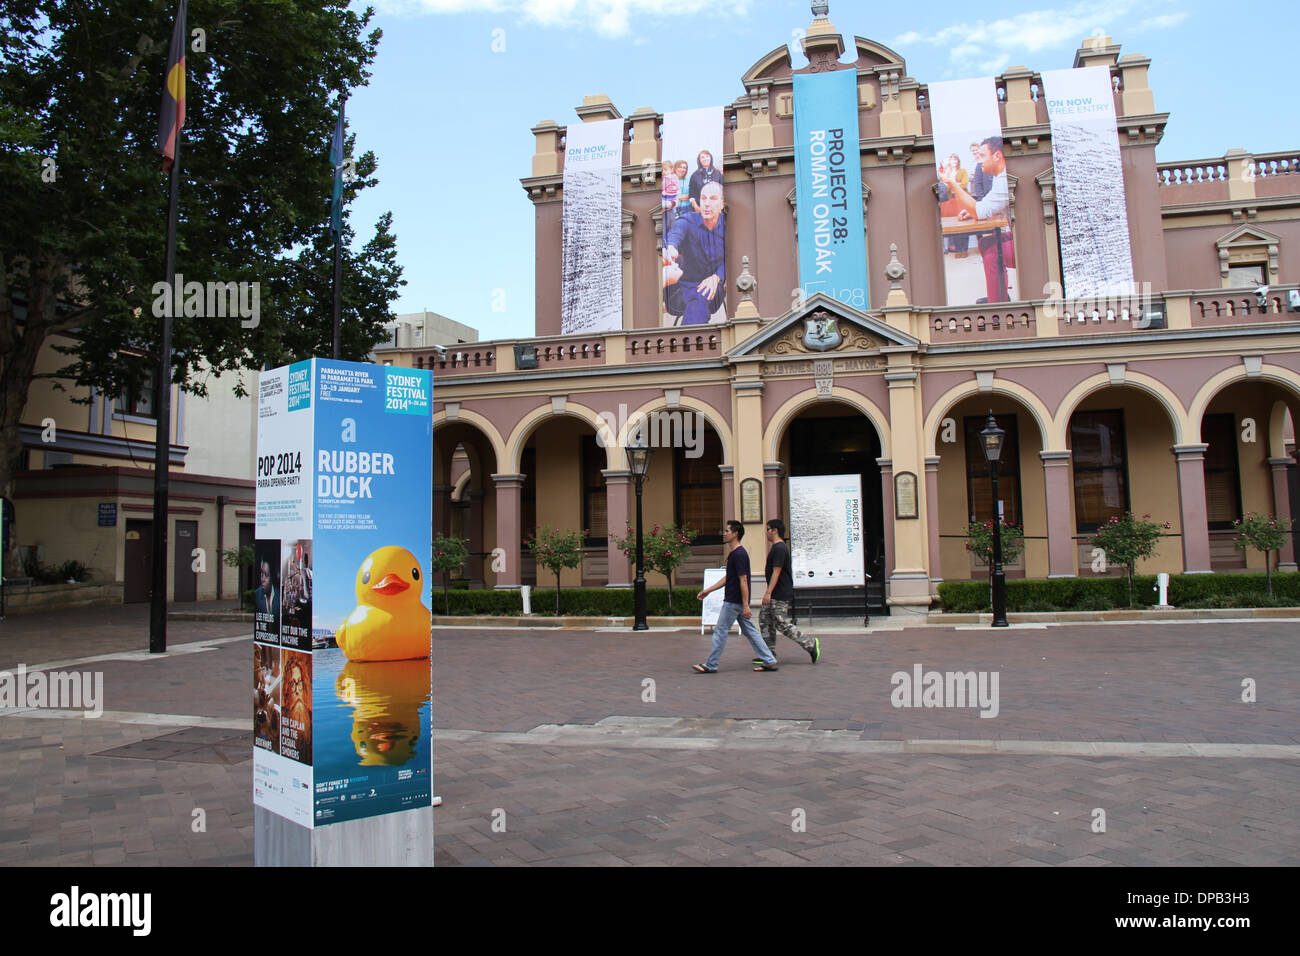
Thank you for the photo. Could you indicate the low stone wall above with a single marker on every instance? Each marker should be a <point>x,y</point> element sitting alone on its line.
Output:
<point>30,598</point>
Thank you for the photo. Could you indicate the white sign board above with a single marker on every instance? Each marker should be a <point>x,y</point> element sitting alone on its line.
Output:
<point>826,531</point>
<point>712,602</point>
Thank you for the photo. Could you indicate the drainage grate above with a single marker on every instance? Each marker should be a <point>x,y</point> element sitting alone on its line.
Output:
<point>192,745</point>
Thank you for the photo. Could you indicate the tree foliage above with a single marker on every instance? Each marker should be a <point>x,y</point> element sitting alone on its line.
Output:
<point>83,241</point>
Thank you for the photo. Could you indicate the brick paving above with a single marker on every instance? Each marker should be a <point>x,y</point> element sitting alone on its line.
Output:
<point>550,728</point>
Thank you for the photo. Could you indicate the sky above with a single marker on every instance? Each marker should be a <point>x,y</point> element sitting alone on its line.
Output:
<point>459,84</point>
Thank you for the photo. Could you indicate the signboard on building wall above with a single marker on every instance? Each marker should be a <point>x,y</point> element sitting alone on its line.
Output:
<point>694,218</point>
<point>979,255</point>
<point>828,187</point>
<point>342,633</point>
<point>1091,210</point>
<point>591,268</point>
<point>826,531</point>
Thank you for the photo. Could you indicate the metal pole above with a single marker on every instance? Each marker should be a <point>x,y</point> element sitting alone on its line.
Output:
<point>162,432</point>
<point>999,578</point>
<point>338,293</point>
<point>639,624</point>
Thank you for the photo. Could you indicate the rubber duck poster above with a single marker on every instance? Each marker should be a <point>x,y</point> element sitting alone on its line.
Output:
<point>342,725</point>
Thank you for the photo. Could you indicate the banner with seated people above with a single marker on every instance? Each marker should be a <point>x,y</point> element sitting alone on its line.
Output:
<point>979,252</point>
<point>693,204</point>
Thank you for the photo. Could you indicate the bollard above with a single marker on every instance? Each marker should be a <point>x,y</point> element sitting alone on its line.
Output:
<point>1162,585</point>
<point>525,592</point>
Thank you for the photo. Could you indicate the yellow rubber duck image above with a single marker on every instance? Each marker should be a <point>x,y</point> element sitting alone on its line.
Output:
<point>390,623</point>
<point>386,698</point>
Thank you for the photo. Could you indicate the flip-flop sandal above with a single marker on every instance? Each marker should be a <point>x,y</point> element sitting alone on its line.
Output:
<point>701,669</point>
<point>766,667</point>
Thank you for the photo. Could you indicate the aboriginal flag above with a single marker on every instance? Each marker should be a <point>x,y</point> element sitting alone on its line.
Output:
<point>172,116</point>
<point>336,160</point>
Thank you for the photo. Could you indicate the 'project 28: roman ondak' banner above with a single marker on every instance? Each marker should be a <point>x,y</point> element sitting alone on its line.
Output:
<point>828,187</point>
<point>826,547</point>
<point>1092,214</point>
<point>591,271</point>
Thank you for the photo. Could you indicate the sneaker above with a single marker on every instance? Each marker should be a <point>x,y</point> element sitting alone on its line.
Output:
<point>816,650</point>
<point>759,660</point>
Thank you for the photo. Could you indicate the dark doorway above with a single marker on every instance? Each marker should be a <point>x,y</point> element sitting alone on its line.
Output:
<point>186,581</point>
<point>247,575</point>
<point>847,445</point>
<point>138,572</point>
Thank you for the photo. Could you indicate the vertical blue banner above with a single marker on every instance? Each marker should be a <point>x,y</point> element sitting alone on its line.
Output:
<point>828,187</point>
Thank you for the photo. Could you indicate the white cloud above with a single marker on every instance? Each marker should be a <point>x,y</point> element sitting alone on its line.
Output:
<point>612,18</point>
<point>991,44</point>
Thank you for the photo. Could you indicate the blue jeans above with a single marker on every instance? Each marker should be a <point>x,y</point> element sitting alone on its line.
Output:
<point>730,614</point>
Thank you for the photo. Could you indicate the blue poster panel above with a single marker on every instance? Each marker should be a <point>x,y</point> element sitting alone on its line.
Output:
<point>342,721</point>
<point>828,187</point>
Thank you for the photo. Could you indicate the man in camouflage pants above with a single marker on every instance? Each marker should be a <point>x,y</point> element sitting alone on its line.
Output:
<point>775,615</point>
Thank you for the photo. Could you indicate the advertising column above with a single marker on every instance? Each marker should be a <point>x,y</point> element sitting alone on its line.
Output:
<point>342,731</point>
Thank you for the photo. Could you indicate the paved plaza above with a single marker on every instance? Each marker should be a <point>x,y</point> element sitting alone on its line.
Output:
<point>1120,744</point>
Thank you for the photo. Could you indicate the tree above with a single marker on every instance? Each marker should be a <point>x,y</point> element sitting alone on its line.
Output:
<point>556,550</point>
<point>241,557</point>
<point>83,238</point>
<point>663,550</point>
<point>449,554</point>
<point>1263,533</point>
<point>1126,539</point>
<point>979,542</point>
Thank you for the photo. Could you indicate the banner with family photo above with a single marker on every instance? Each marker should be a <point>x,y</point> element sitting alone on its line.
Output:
<point>828,187</point>
<point>695,220</point>
<point>979,253</point>
<point>694,217</point>
<point>1091,211</point>
<point>591,269</point>
<point>826,547</point>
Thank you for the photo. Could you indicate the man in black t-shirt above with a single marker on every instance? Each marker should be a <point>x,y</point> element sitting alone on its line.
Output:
<point>775,615</point>
<point>735,606</point>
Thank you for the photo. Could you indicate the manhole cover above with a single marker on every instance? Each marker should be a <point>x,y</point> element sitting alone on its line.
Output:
<point>192,745</point>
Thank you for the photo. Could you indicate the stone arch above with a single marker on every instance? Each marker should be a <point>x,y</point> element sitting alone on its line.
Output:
<point>519,436</point>
<point>1284,377</point>
<point>958,393</point>
<point>480,424</point>
<point>712,416</point>
<point>1162,393</point>
<point>790,409</point>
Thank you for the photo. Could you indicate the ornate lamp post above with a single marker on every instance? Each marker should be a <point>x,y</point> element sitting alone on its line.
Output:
<point>638,461</point>
<point>991,441</point>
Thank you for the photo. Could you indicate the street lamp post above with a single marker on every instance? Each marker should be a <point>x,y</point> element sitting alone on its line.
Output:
<point>991,439</point>
<point>638,459</point>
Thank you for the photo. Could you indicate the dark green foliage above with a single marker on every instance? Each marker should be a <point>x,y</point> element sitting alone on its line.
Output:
<point>1096,594</point>
<point>580,602</point>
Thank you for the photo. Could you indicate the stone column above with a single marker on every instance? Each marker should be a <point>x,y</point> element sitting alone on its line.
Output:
<point>618,506</point>
<point>442,518</point>
<point>932,520</point>
<point>906,542</point>
<point>773,505</point>
<point>887,506</point>
<point>1191,507</point>
<point>475,534</point>
<point>1061,552</point>
<point>730,509</point>
<point>509,490</point>
<point>1282,509</point>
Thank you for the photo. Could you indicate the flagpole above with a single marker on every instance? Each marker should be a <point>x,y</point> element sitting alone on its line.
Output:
<point>162,435</point>
<point>338,292</point>
<point>336,226</point>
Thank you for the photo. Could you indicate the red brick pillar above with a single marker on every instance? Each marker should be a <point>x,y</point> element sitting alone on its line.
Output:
<point>618,506</point>
<point>509,489</point>
<point>1191,507</point>
<point>1282,509</point>
<point>1061,551</point>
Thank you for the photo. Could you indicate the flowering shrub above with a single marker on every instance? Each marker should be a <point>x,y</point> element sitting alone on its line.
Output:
<point>979,542</point>
<point>449,554</point>
<point>1126,539</point>
<point>1262,533</point>
<point>663,550</point>
<point>556,550</point>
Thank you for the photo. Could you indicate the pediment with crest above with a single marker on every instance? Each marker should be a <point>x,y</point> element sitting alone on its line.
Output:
<point>823,325</point>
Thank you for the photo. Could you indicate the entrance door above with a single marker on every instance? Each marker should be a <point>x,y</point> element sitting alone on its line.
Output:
<point>183,573</point>
<point>138,573</point>
<point>248,575</point>
<point>848,445</point>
